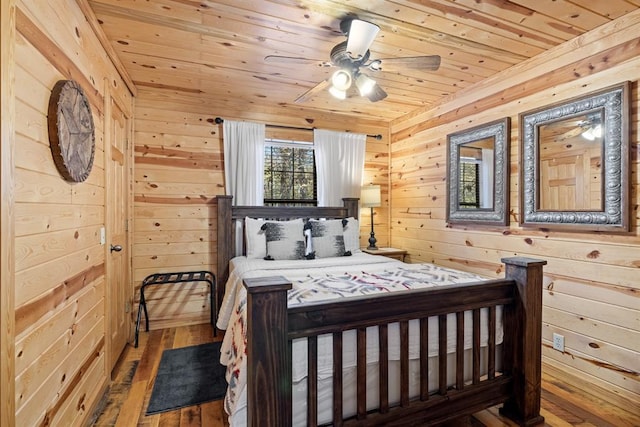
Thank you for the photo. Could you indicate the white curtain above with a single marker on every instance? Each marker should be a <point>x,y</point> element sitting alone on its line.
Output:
<point>339,165</point>
<point>486,179</point>
<point>244,162</point>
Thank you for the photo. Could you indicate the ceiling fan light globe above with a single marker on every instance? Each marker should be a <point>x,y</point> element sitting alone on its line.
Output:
<point>361,35</point>
<point>365,84</point>
<point>597,131</point>
<point>588,135</point>
<point>341,80</point>
<point>337,93</point>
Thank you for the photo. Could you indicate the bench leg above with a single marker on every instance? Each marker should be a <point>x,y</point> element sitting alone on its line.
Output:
<point>135,341</point>
<point>213,309</point>
<point>142,305</point>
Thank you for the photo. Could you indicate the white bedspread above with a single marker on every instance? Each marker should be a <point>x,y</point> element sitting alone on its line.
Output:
<point>325,279</point>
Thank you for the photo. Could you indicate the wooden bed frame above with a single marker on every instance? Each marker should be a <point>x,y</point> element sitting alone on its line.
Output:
<point>272,325</point>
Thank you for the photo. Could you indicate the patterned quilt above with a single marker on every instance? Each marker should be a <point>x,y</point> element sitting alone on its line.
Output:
<point>320,280</point>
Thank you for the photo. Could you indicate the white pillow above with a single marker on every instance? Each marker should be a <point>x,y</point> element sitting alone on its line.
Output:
<point>285,239</point>
<point>352,235</point>
<point>255,238</point>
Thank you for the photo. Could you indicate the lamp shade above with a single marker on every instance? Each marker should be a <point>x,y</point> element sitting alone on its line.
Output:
<point>364,84</point>
<point>592,133</point>
<point>341,80</point>
<point>370,196</point>
<point>340,94</point>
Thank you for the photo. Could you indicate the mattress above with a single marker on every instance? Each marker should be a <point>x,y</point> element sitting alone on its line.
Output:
<point>330,279</point>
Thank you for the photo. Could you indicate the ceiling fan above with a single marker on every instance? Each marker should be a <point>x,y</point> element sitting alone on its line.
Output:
<point>350,57</point>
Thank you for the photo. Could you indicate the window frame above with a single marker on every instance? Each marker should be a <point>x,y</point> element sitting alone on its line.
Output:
<point>296,145</point>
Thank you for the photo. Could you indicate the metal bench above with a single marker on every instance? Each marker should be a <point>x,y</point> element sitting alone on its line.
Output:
<point>172,278</point>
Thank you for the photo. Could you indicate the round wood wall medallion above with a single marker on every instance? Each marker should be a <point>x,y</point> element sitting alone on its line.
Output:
<point>71,131</point>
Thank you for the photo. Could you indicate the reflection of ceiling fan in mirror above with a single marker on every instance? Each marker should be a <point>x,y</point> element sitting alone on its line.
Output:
<point>351,56</point>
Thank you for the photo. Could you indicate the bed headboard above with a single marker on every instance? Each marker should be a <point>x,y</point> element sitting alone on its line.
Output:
<point>228,215</point>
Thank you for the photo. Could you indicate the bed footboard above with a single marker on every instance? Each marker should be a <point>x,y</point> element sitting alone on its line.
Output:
<point>272,327</point>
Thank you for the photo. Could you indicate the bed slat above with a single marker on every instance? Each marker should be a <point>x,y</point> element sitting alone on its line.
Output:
<point>460,350</point>
<point>424,358</point>
<point>404,363</point>
<point>312,381</point>
<point>491,343</point>
<point>475,373</point>
<point>442,354</point>
<point>361,373</point>
<point>383,337</point>
<point>337,379</point>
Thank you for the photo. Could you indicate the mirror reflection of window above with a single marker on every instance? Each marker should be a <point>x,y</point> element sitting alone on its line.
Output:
<point>476,172</point>
<point>469,183</point>
<point>570,164</point>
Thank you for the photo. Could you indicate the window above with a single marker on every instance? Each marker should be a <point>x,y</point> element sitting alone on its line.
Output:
<point>289,174</point>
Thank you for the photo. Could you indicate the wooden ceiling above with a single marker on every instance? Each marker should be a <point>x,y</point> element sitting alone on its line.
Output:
<point>212,52</point>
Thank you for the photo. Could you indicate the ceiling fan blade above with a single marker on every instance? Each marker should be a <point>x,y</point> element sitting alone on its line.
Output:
<point>376,94</point>
<point>295,60</point>
<point>359,37</point>
<point>426,63</point>
<point>311,92</point>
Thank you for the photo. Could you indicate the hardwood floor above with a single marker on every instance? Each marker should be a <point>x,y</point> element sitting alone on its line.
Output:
<point>125,403</point>
<point>127,400</point>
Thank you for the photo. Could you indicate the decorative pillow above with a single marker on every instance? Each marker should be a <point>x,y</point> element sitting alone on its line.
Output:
<point>327,238</point>
<point>285,239</point>
<point>255,238</point>
<point>352,235</point>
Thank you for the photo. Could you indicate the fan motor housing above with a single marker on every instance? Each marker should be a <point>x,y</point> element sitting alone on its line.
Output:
<point>340,57</point>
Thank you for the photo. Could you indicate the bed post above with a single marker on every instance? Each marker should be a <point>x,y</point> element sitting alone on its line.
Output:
<point>224,243</point>
<point>351,204</point>
<point>523,357</point>
<point>269,371</point>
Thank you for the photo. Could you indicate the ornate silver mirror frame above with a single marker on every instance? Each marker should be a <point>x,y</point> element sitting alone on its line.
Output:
<point>495,188</point>
<point>606,174</point>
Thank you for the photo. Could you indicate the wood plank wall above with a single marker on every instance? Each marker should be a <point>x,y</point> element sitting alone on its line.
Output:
<point>7,291</point>
<point>60,368</point>
<point>179,169</point>
<point>592,279</point>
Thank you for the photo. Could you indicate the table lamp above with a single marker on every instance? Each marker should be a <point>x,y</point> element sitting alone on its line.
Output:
<point>370,197</point>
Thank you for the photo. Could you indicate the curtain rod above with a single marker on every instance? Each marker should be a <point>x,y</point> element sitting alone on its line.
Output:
<point>220,120</point>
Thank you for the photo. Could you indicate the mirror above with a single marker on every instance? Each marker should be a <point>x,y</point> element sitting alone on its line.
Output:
<point>575,162</point>
<point>478,174</point>
<point>570,164</point>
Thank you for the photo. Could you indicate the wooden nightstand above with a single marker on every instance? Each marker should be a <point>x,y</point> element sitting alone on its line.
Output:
<point>394,253</point>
